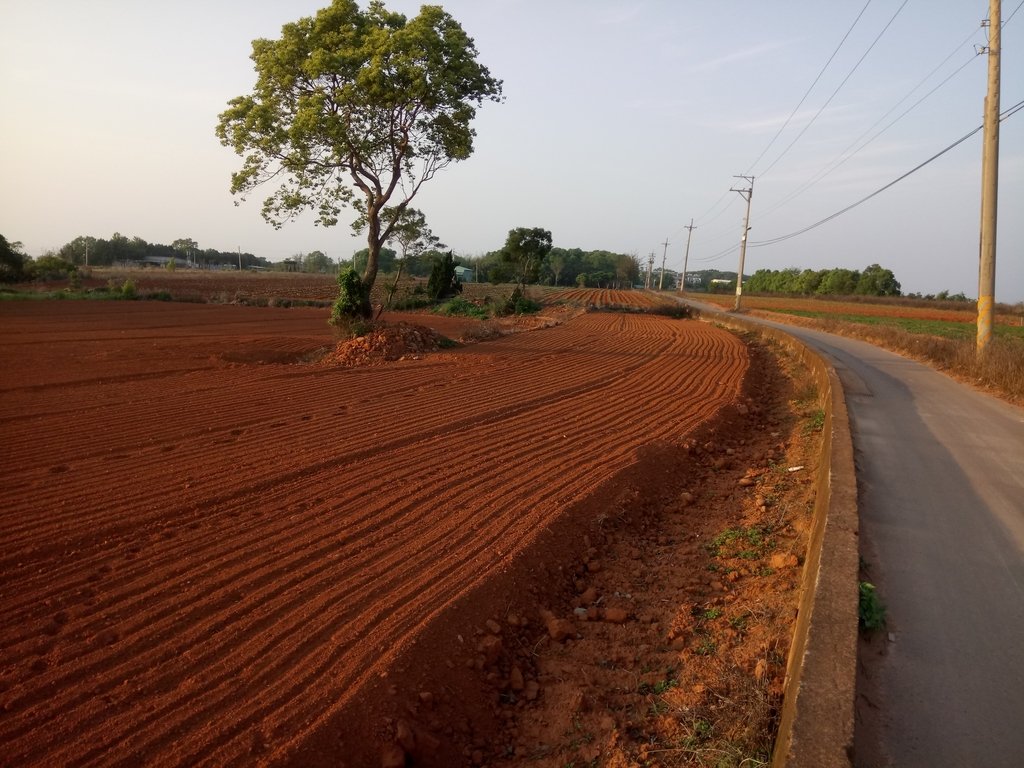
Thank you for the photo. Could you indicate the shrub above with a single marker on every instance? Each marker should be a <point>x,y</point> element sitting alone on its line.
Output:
<point>443,281</point>
<point>353,300</point>
<point>870,610</point>
<point>49,268</point>
<point>463,308</point>
<point>519,304</point>
<point>128,289</point>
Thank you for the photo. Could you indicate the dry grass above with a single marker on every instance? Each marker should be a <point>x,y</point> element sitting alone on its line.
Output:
<point>1000,369</point>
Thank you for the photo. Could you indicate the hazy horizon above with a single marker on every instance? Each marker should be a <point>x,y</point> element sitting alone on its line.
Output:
<point>621,122</point>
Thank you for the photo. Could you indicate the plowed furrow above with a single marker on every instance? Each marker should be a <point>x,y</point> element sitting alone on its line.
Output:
<point>258,598</point>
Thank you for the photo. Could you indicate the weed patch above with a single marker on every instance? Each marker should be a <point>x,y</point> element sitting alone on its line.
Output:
<point>870,609</point>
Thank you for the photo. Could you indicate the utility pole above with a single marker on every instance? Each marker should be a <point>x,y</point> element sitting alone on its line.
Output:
<point>664,253</point>
<point>989,183</point>
<point>650,270</point>
<point>746,194</point>
<point>239,258</point>
<point>686,258</point>
<point>87,253</point>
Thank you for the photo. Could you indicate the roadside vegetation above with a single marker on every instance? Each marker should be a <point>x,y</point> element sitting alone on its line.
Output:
<point>939,332</point>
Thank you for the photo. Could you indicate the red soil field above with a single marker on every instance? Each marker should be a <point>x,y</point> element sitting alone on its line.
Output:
<point>836,307</point>
<point>605,297</point>
<point>217,553</point>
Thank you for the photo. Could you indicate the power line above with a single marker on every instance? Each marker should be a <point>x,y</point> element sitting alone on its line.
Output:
<point>759,243</point>
<point>1014,13</point>
<point>848,155</point>
<point>811,88</point>
<point>838,88</point>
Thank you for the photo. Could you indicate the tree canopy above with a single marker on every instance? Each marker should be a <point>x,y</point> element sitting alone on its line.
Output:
<point>875,280</point>
<point>356,108</point>
<point>525,250</point>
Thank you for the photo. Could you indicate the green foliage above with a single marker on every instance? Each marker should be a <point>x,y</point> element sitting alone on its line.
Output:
<point>524,250</point>
<point>518,304</point>
<point>48,268</point>
<point>352,107</point>
<point>128,290</point>
<point>12,261</point>
<point>317,261</point>
<point>385,259</point>
<point>353,299</point>
<point>746,543</point>
<point>460,307</point>
<point>443,281</point>
<point>870,610</point>
<point>873,281</point>
<point>816,421</point>
<point>877,281</point>
<point>412,234</point>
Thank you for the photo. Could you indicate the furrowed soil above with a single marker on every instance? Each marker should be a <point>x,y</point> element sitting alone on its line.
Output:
<point>226,542</point>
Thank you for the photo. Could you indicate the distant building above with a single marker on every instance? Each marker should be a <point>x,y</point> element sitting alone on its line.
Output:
<point>465,274</point>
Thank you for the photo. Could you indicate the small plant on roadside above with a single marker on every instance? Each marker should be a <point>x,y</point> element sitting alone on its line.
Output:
<point>746,543</point>
<point>128,289</point>
<point>816,422</point>
<point>870,610</point>
<point>739,622</point>
<point>706,647</point>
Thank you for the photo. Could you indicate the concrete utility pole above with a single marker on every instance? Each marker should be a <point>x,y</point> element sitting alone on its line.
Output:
<point>989,183</point>
<point>650,270</point>
<point>239,258</point>
<point>746,194</point>
<point>664,254</point>
<point>686,258</point>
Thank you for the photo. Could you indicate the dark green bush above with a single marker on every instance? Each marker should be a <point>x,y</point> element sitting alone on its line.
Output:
<point>353,299</point>
<point>443,282</point>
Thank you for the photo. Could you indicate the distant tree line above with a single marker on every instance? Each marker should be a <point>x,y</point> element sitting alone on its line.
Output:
<point>527,257</point>
<point>874,280</point>
<point>120,250</point>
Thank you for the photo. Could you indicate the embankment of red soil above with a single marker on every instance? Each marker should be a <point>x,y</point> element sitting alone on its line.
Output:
<point>214,551</point>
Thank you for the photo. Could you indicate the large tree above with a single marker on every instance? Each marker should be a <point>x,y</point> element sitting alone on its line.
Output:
<point>356,108</point>
<point>524,250</point>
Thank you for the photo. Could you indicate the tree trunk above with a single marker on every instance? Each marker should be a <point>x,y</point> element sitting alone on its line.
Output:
<point>373,244</point>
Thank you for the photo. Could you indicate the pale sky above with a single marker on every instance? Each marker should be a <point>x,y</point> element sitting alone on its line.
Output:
<point>622,121</point>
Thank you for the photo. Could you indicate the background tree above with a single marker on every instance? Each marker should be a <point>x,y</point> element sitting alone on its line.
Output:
<point>878,281</point>
<point>443,281</point>
<point>413,236</point>
<point>524,250</point>
<point>316,261</point>
<point>839,282</point>
<point>356,108</point>
<point>12,261</point>
<point>557,261</point>
<point>627,270</point>
<point>186,248</point>
<point>385,260</point>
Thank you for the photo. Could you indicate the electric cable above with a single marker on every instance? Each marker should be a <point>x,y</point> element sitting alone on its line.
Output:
<point>760,243</point>
<point>847,155</point>
<point>811,88</point>
<point>836,91</point>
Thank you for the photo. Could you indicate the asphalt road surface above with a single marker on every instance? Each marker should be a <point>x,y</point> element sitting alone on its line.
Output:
<point>940,474</point>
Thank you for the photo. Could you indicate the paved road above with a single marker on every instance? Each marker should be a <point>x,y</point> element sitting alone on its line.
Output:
<point>940,471</point>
